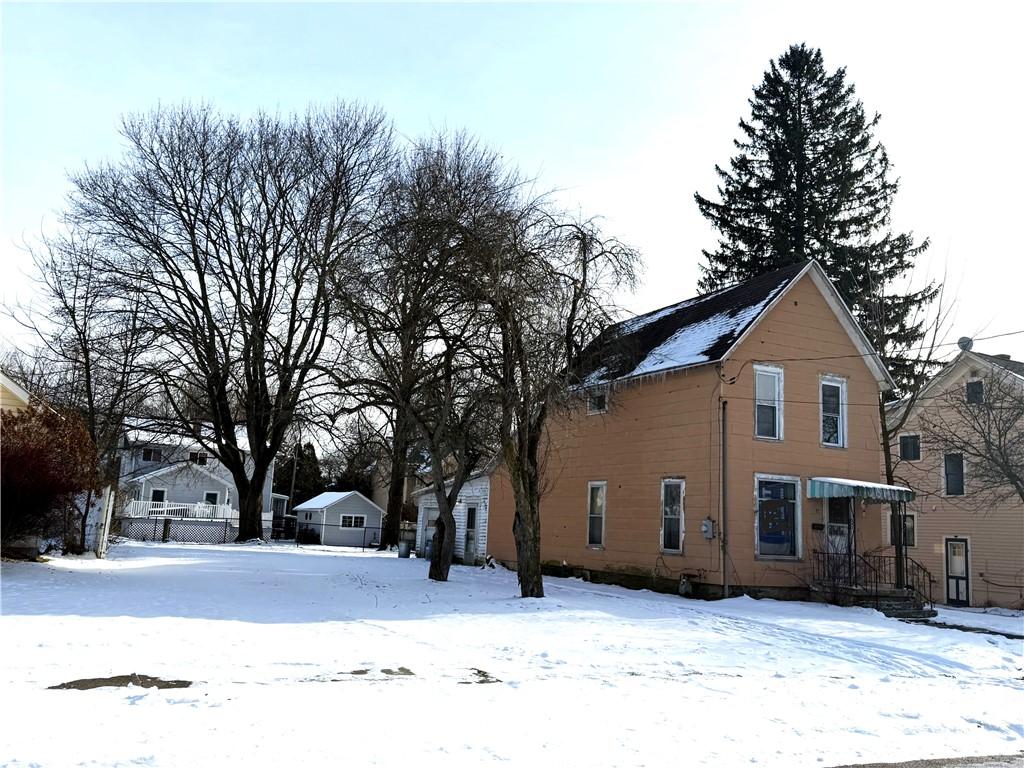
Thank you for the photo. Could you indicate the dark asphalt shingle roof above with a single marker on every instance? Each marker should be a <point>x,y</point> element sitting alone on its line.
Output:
<point>1013,366</point>
<point>692,332</point>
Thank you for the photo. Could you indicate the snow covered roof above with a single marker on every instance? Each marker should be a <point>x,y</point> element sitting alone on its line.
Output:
<point>326,500</point>
<point>693,332</point>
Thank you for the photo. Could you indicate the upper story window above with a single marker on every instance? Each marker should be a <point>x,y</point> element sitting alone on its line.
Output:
<point>910,447</point>
<point>768,402</point>
<point>152,454</point>
<point>976,392</point>
<point>833,411</point>
<point>953,466</point>
<point>597,401</point>
<point>197,457</point>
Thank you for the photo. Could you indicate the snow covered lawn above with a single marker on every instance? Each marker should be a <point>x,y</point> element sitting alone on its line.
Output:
<point>996,619</point>
<point>297,658</point>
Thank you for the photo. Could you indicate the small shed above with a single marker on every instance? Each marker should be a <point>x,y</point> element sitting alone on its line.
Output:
<point>342,519</point>
<point>470,512</point>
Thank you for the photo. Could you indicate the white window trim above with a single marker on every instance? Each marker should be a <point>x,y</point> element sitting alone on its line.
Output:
<point>835,381</point>
<point>887,512</point>
<point>942,478</point>
<point>604,512</point>
<point>597,411</point>
<point>758,477</point>
<point>780,375</point>
<point>682,514</point>
<point>920,446</point>
<point>215,493</point>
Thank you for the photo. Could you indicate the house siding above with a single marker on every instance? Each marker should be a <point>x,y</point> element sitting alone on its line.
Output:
<point>330,520</point>
<point>995,532</point>
<point>475,493</point>
<point>669,426</point>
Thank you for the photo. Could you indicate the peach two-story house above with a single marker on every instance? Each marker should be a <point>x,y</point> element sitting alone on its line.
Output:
<point>968,531</point>
<point>728,443</point>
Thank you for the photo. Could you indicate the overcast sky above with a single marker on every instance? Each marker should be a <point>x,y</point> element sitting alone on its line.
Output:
<point>624,109</point>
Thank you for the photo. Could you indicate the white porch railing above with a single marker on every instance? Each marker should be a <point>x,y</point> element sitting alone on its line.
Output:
<point>180,510</point>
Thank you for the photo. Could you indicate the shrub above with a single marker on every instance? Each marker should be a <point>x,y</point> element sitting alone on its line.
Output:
<point>47,460</point>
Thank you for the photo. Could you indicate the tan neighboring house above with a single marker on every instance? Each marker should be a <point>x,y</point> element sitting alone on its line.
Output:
<point>972,544</point>
<point>728,443</point>
<point>12,396</point>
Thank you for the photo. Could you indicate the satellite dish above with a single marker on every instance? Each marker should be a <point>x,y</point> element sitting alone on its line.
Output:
<point>965,343</point>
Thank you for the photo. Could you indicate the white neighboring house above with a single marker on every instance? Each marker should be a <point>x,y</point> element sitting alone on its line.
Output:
<point>168,478</point>
<point>470,514</point>
<point>341,519</point>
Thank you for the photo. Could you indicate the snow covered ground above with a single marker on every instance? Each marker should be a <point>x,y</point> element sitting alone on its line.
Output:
<point>297,657</point>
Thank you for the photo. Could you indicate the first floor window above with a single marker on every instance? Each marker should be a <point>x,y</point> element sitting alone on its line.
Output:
<point>909,528</point>
<point>778,517</point>
<point>672,515</point>
<point>212,497</point>
<point>596,493</point>
<point>353,521</point>
<point>768,402</point>
<point>910,447</point>
<point>954,470</point>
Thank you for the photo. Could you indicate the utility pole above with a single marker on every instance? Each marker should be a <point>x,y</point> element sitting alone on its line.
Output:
<point>295,464</point>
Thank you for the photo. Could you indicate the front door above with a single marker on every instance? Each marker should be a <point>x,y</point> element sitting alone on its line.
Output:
<point>957,572</point>
<point>839,539</point>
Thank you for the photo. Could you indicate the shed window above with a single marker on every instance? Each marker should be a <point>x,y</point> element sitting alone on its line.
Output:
<point>768,402</point>
<point>778,517</point>
<point>672,492</point>
<point>976,392</point>
<point>910,447</point>
<point>954,471</point>
<point>596,495</point>
<point>353,521</point>
<point>833,411</point>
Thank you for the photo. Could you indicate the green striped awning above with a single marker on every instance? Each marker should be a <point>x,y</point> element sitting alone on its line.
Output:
<point>830,487</point>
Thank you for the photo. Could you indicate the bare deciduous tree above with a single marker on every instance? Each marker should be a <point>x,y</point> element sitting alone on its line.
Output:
<point>88,340</point>
<point>548,287</point>
<point>226,232</point>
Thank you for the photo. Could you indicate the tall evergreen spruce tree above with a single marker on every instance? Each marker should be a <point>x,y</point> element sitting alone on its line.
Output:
<point>811,181</point>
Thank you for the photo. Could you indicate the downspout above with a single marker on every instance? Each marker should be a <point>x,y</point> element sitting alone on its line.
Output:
<point>725,504</point>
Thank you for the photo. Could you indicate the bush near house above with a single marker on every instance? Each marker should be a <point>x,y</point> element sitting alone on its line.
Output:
<point>46,460</point>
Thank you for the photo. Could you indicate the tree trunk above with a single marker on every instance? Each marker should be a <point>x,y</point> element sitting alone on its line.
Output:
<point>444,546</point>
<point>526,530</point>
<point>396,486</point>
<point>250,509</point>
<point>85,520</point>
